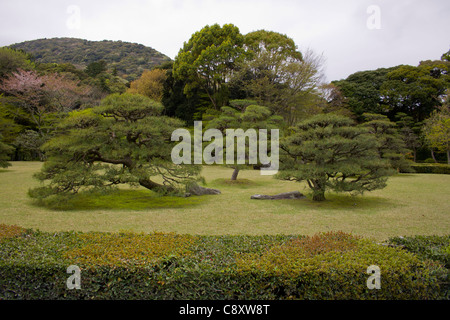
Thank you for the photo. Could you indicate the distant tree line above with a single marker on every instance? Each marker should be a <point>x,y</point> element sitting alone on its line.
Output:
<point>407,95</point>
<point>128,59</point>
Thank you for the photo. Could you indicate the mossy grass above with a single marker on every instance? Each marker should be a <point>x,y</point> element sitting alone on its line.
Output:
<point>118,199</point>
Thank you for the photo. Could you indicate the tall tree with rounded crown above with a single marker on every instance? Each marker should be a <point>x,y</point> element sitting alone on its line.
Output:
<point>208,59</point>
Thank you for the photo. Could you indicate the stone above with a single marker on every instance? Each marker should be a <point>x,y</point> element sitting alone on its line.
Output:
<point>286,195</point>
<point>196,190</point>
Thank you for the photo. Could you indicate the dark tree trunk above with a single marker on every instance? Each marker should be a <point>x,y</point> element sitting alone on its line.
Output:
<point>319,195</point>
<point>317,186</point>
<point>149,184</point>
<point>235,174</point>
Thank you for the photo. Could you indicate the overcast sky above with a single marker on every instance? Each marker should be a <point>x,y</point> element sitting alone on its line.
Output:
<point>352,35</point>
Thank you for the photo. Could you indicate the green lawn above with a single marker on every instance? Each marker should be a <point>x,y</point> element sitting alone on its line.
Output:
<point>412,204</point>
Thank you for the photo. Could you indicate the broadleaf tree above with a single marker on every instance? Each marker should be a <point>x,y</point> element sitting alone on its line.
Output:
<point>437,130</point>
<point>277,75</point>
<point>11,60</point>
<point>207,61</point>
<point>362,91</point>
<point>150,84</point>
<point>416,91</point>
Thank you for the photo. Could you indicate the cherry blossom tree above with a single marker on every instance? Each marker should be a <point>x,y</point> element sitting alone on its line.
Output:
<point>44,96</point>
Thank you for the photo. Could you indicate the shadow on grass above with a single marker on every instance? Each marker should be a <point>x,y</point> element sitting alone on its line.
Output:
<point>118,200</point>
<point>241,183</point>
<point>343,202</point>
<point>406,175</point>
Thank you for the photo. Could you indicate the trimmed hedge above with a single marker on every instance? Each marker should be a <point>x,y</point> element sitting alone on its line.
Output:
<point>120,266</point>
<point>435,248</point>
<point>333,266</point>
<point>426,247</point>
<point>431,168</point>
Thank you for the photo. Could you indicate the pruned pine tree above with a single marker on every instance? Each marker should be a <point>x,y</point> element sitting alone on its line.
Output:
<point>330,152</point>
<point>250,117</point>
<point>125,140</point>
<point>390,144</point>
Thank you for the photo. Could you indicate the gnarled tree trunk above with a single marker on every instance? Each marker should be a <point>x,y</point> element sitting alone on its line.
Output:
<point>151,185</point>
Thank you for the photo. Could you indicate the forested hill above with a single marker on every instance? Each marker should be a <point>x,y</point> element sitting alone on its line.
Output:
<point>129,59</point>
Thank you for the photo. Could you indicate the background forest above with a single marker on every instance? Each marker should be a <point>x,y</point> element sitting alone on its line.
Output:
<point>42,81</point>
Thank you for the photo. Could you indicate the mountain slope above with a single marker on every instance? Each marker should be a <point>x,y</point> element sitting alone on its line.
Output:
<point>129,59</point>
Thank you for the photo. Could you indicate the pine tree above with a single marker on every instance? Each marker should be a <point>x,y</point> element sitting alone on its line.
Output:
<point>125,140</point>
<point>330,152</point>
<point>390,144</point>
<point>249,116</point>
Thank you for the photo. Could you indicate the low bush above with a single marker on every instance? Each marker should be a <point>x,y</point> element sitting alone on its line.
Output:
<point>33,265</point>
<point>126,249</point>
<point>435,248</point>
<point>10,231</point>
